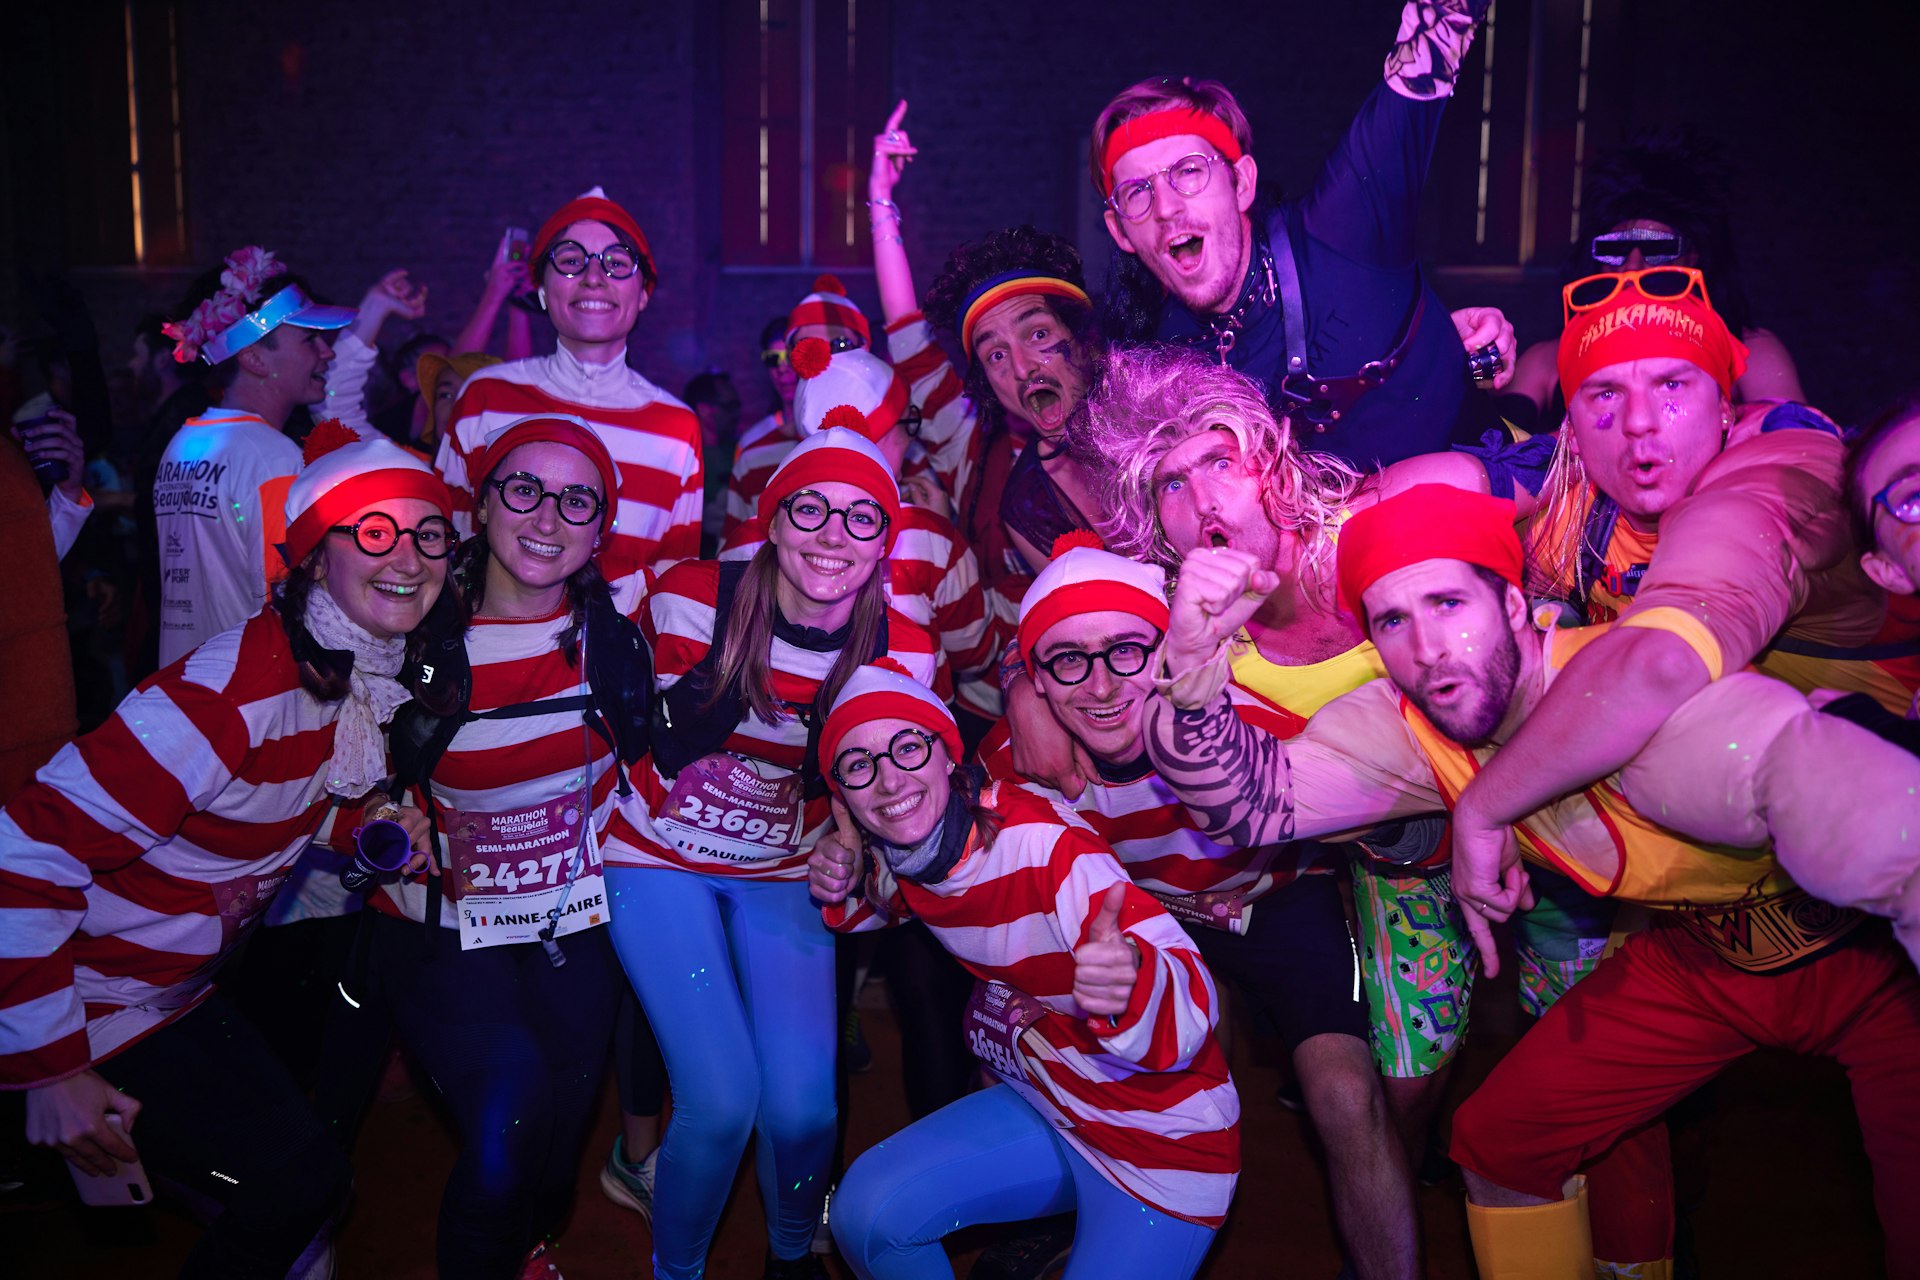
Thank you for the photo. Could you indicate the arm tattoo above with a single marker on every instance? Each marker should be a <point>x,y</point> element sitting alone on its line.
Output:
<point>1234,779</point>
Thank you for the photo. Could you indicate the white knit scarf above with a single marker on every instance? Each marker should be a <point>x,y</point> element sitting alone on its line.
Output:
<point>359,757</point>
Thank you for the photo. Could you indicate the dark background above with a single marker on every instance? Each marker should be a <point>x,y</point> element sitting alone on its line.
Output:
<point>356,136</point>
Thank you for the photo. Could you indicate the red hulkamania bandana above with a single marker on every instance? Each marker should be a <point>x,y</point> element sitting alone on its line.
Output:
<point>1427,522</point>
<point>1169,122</point>
<point>1634,326</point>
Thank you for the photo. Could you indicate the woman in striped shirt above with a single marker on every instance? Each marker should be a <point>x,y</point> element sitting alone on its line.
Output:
<point>144,851</point>
<point>1093,1008</point>
<point>707,864</point>
<point>508,998</point>
<point>595,273</point>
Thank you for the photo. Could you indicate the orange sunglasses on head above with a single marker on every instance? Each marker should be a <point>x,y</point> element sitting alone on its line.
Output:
<point>1654,282</point>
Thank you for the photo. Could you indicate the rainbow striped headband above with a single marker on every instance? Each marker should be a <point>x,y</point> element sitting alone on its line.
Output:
<point>995,290</point>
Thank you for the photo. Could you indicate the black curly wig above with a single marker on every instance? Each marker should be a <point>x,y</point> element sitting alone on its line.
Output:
<point>1022,248</point>
<point>1676,177</point>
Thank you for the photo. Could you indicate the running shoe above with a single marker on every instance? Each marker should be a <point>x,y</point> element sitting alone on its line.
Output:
<point>540,1264</point>
<point>823,1231</point>
<point>629,1185</point>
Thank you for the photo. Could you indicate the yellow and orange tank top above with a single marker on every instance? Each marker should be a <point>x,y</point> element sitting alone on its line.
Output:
<point>1886,668</point>
<point>1303,690</point>
<point>1739,901</point>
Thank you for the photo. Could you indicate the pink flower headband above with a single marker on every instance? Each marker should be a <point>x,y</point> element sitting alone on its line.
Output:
<point>247,270</point>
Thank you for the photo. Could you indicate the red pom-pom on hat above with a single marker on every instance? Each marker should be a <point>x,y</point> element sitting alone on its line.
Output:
<point>844,415</point>
<point>829,284</point>
<point>810,357</point>
<point>326,436</point>
<point>1077,538</point>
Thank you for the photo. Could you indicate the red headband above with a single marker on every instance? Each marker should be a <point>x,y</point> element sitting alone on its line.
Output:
<point>595,209</point>
<point>1168,122</point>
<point>1426,522</point>
<point>1633,326</point>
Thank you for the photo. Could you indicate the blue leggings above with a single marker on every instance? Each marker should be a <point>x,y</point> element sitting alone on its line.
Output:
<point>736,977</point>
<point>990,1157</point>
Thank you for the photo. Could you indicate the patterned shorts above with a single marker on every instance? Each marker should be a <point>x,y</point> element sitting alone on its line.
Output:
<point>1419,963</point>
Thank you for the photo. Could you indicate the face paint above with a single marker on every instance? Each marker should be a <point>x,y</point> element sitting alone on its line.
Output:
<point>1604,422</point>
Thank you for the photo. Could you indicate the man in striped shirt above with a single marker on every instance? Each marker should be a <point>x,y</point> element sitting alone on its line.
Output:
<point>826,313</point>
<point>1269,917</point>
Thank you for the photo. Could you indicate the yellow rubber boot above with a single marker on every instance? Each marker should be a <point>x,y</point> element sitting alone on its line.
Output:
<point>1536,1242</point>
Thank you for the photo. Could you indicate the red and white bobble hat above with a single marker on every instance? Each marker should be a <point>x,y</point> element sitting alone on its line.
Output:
<point>346,475</point>
<point>836,453</point>
<point>555,428</point>
<point>1084,577</point>
<point>884,691</point>
<point>828,304</point>
<point>854,389</point>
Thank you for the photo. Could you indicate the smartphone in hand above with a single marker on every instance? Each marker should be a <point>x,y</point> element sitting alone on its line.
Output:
<point>127,1185</point>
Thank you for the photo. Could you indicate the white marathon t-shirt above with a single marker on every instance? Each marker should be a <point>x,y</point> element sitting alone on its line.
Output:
<point>221,501</point>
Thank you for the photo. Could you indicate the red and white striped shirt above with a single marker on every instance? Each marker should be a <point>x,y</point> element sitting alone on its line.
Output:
<point>497,766</point>
<point>934,580</point>
<point>654,440</point>
<point>679,624</point>
<point>1152,833</point>
<point>762,448</point>
<point>140,854</point>
<point>1148,1099</point>
<point>950,440</point>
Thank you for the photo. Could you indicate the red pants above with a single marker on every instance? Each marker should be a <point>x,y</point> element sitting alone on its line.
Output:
<point>1665,1015</point>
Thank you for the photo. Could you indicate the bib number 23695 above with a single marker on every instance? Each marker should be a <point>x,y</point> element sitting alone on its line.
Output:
<point>726,809</point>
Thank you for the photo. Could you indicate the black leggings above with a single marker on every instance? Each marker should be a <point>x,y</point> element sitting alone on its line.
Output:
<point>222,1118</point>
<point>516,1049</point>
<point>928,990</point>
<point>637,1064</point>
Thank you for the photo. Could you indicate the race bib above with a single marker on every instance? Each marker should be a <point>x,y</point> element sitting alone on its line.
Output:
<point>1227,910</point>
<point>724,808</point>
<point>241,900</point>
<point>997,1016</point>
<point>510,872</point>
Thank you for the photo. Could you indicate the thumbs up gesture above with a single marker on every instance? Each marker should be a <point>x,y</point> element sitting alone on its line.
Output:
<point>832,867</point>
<point>1106,964</point>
